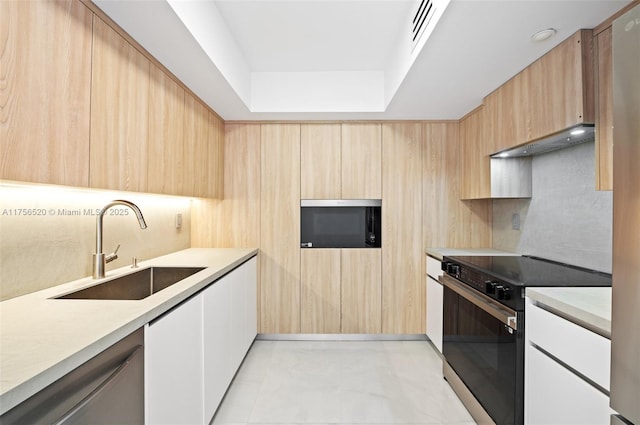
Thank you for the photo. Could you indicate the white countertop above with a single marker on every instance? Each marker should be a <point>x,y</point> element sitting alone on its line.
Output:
<point>590,307</point>
<point>42,339</point>
<point>438,253</point>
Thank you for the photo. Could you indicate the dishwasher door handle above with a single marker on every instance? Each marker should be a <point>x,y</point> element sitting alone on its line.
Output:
<point>89,409</point>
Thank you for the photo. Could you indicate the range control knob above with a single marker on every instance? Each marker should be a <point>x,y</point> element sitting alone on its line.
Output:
<point>490,287</point>
<point>503,292</point>
<point>453,269</point>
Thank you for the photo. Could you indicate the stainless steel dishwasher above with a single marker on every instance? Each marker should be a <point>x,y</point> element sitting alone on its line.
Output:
<point>108,389</point>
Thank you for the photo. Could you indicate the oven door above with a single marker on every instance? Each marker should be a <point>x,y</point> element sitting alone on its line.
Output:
<point>483,344</point>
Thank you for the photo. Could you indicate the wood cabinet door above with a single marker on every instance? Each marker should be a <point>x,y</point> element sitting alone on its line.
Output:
<point>280,228</point>
<point>361,161</point>
<point>119,112</point>
<point>475,169</point>
<point>166,135</point>
<point>361,276</point>
<point>320,286</point>
<point>45,91</point>
<point>215,155</point>
<point>563,79</point>
<point>604,110</point>
<point>403,292</point>
<point>196,142</point>
<point>320,161</point>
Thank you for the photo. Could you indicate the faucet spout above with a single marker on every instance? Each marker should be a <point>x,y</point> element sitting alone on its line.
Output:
<point>99,258</point>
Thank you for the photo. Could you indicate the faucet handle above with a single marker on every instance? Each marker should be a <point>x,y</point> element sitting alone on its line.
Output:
<point>113,256</point>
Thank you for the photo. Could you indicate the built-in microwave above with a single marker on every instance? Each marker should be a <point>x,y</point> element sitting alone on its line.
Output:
<point>340,223</point>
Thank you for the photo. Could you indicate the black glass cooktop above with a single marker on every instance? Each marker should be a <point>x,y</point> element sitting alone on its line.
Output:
<point>529,271</point>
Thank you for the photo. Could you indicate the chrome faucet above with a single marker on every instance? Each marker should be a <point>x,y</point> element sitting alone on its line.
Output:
<point>99,258</point>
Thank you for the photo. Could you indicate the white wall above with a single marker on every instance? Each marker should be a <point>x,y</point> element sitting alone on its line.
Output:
<point>566,219</point>
<point>47,233</point>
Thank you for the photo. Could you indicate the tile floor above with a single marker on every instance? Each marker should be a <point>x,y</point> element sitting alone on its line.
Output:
<point>341,382</point>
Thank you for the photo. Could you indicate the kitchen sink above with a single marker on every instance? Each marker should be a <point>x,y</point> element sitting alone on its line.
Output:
<point>134,286</point>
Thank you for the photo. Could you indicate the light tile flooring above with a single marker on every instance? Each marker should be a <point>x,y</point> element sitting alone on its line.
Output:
<point>341,382</point>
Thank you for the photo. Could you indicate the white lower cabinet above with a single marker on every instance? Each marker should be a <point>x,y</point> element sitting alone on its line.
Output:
<point>566,371</point>
<point>193,351</point>
<point>173,366</point>
<point>435,298</point>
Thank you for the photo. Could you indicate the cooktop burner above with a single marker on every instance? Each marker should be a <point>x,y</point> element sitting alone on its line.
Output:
<point>505,278</point>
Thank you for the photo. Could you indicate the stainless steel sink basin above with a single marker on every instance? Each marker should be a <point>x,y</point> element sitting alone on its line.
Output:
<point>134,286</point>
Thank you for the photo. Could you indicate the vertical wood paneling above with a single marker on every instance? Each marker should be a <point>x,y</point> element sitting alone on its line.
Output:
<point>440,184</point>
<point>119,112</point>
<point>604,110</point>
<point>361,161</point>
<point>166,134</point>
<point>320,163</point>
<point>45,87</point>
<point>403,291</point>
<point>361,276</point>
<point>320,286</point>
<point>280,228</point>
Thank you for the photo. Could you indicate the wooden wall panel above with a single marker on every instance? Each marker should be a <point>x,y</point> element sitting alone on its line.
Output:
<point>119,112</point>
<point>440,184</point>
<point>320,161</point>
<point>166,134</point>
<point>403,291</point>
<point>320,286</point>
<point>280,228</point>
<point>361,275</point>
<point>45,87</point>
<point>361,161</point>
<point>242,185</point>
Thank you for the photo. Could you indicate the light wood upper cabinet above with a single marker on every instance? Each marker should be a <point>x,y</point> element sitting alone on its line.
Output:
<point>280,228</point>
<point>604,110</point>
<point>361,276</point>
<point>119,112</point>
<point>550,95</point>
<point>475,168</point>
<point>361,161</point>
<point>166,134</point>
<point>196,139</point>
<point>562,81</point>
<point>320,165</point>
<point>45,91</point>
<point>403,291</point>
<point>320,286</point>
<point>215,155</point>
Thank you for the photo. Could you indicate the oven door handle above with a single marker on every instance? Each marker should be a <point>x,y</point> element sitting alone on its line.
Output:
<point>485,303</point>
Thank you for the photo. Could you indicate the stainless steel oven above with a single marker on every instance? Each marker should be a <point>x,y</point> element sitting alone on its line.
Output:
<point>483,319</point>
<point>483,344</point>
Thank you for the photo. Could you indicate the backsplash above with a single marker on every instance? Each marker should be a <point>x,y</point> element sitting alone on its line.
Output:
<point>48,233</point>
<point>566,219</point>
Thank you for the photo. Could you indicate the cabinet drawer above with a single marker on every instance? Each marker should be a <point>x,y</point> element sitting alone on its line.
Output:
<point>555,395</point>
<point>434,267</point>
<point>580,348</point>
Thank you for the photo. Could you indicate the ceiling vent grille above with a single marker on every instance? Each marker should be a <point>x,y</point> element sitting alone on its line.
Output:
<point>421,19</point>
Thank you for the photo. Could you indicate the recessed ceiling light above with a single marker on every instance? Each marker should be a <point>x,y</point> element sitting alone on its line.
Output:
<point>543,35</point>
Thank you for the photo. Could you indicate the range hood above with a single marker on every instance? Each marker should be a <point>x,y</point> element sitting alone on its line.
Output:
<point>572,136</point>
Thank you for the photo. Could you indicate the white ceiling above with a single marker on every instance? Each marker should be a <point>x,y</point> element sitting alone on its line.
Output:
<point>347,59</point>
